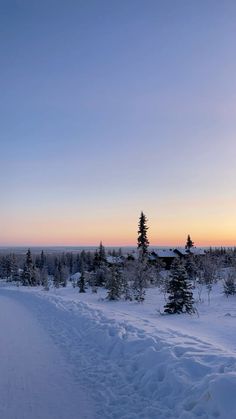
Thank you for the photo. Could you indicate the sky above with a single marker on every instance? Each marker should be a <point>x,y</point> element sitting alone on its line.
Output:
<point>109,108</point>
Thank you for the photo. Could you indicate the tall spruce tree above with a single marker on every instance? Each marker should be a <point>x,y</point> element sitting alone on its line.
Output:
<point>143,242</point>
<point>100,266</point>
<point>180,298</point>
<point>101,253</point>
<point>189,243</point>
<point>28,270</point>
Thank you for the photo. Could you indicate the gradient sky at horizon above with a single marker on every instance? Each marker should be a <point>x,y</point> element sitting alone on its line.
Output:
<point>113,107</point>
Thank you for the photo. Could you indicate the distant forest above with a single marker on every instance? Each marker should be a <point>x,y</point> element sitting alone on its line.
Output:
<point>126,275</point>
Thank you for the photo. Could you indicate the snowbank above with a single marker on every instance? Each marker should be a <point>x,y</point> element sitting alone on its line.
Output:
<point>136,363</point>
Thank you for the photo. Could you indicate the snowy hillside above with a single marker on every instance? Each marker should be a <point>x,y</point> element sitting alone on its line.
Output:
<point>131,361</point>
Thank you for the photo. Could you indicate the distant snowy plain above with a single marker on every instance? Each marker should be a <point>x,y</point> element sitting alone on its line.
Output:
<point>65,355</point>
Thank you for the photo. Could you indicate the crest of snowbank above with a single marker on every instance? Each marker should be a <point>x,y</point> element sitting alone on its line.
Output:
<point>134,372</point>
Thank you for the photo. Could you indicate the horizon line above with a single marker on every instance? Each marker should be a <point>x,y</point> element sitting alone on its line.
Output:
<point>4,246</point>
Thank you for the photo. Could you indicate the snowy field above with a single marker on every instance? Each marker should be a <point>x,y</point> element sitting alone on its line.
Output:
<point>66,355</point>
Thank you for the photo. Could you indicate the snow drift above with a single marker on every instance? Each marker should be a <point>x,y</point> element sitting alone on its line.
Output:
<point>137,372</point>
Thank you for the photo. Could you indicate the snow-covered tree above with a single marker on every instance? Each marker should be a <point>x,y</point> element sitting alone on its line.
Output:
<point>113,284</point>
<point>27,276</point>
<point>191,268</point>
<point>14,269</point>
<point>127,279</point>
<point>126,290</point>
<point>81,281</point>
<point>56,278</point>
<point>64,275</point>
<point>180,299</point>
<point>209,273</point>
<point>140,281</point>
<point>60,276</point>
<point>100,266</point>
<point>229,284</point>
<point>42,262</point>
<point>7,267</point>
<point>36,277</point>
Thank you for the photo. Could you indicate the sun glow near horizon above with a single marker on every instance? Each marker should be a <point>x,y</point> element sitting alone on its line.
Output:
<point>112,232</point>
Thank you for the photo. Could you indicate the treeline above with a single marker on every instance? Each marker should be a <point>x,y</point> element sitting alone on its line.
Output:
<point>127,276</point>
<point>31,269</point>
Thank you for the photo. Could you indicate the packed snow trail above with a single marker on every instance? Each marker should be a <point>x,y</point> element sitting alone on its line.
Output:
<point>129,368</point>
<point>34,380</point>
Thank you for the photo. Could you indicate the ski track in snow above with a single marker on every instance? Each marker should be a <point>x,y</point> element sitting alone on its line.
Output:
<point>129,371</point>
<point>34,380</point>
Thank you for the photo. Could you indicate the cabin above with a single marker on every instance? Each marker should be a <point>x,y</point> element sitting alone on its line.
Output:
<point>183,253</point>
<point>197,251</point>
<point>166,256</point>
<point>114,260</point>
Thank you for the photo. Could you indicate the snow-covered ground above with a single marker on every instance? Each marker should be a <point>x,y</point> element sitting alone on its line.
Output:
<point>33,370</point>
<point>101,359</point>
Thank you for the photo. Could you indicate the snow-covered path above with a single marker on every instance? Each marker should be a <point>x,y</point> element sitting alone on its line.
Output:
<point>59,347</point>
<point>35,382</point>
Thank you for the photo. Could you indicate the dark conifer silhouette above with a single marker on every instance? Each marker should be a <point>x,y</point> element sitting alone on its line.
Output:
<point>143,242</point>
<point>189,243</point>
<point>180,298</point>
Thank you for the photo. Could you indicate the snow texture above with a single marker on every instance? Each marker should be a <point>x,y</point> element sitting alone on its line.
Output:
<point>35,382</point>
<point>130,361</point>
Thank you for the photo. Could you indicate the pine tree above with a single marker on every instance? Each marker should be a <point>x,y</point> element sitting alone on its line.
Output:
<point>81,282</point>
<point>35,279</point>
<point>65,275</point>
<point>27,276</point>
<point>191,267</point>
<point>8,267</point>
<point>60,276</point>
<point>179,290</point>
<point>125,287</point>
<point>100,266</point>
<point>143,242</point>
<point>42,260</point>
<point>208,273</point>
<point>189,243</point>
<point>113,284</point>
<point>101,253</point>
<point>15,271</point>
<point>57,276</point>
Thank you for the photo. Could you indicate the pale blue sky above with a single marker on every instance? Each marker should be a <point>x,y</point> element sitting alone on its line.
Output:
<point>112,107</point>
